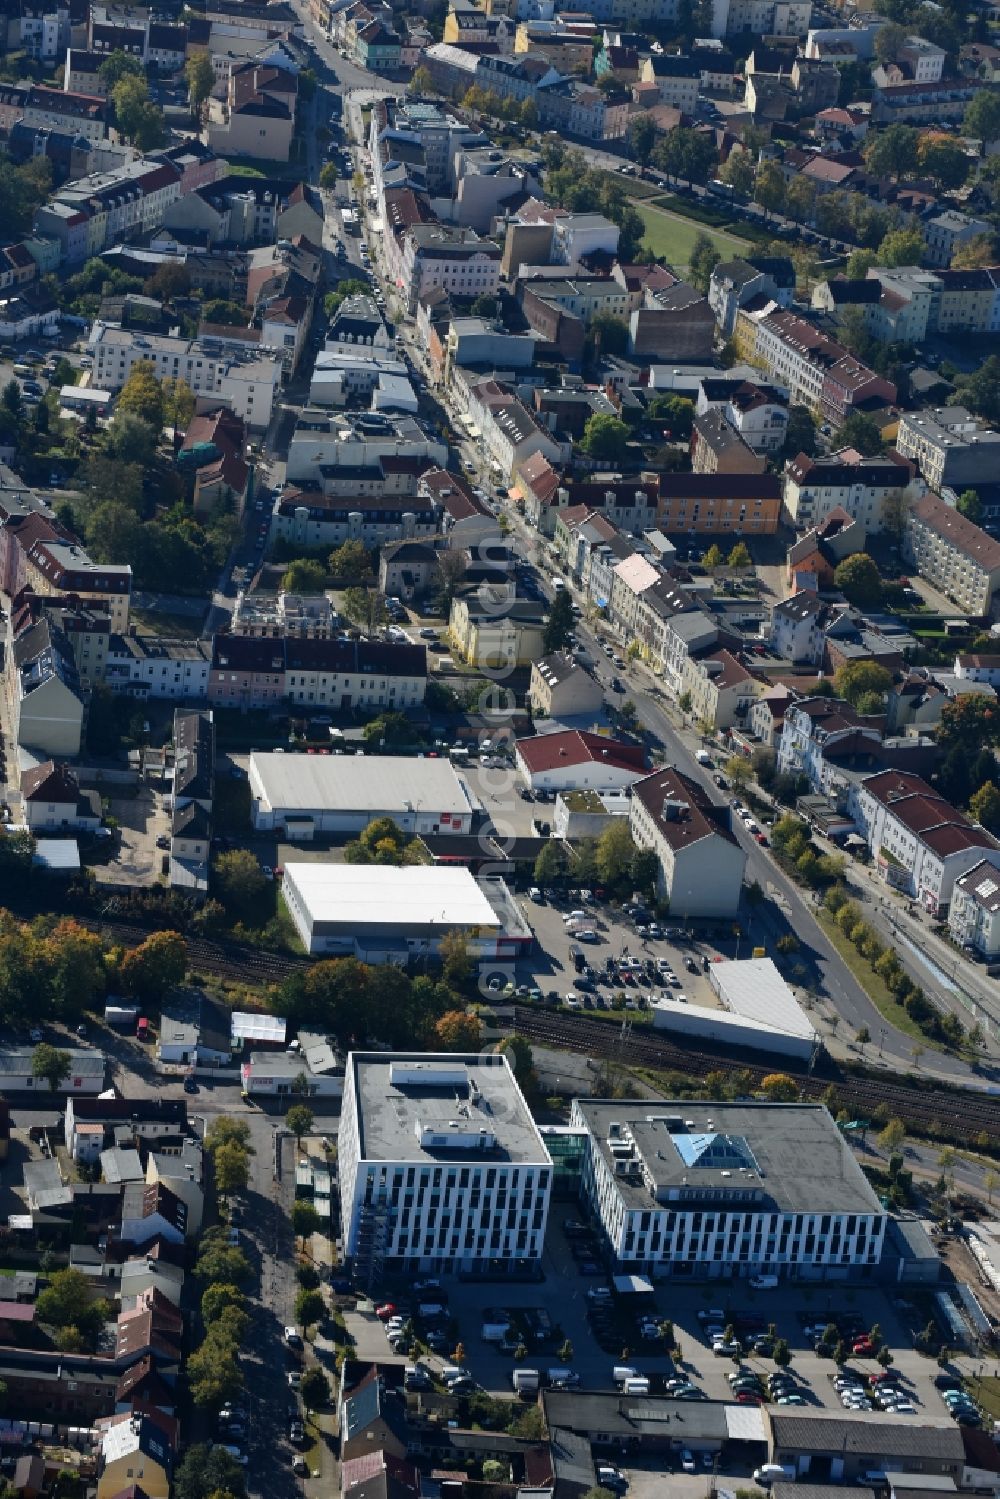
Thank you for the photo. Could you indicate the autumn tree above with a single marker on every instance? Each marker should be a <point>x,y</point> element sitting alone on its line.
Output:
<point>984,806</point>
<point>457,1031</point>
<point>778,1087</point>
<point>143,394</point>
<point>178,402</point>
<point>200,77</point>
<point>156,966</point>
<point>299,1120</point>
<point>456,960</point>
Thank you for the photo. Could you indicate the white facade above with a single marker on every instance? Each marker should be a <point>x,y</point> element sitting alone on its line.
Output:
<point>175,669</point>
<point>249,387</point>
<point>700,862</point>
<point>344,793</point>
<point>974,915</point>
<point>734,1191</point>
<point>441,1164</point>
<point>383,913</point>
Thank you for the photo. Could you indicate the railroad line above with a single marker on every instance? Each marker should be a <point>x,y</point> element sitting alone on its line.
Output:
<point>965,1114</point>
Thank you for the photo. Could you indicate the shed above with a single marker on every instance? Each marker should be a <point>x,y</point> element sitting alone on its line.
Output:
<point>58,856</point>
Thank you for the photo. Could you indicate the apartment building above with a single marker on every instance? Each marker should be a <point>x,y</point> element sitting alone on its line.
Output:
<point>740,504</point>
<point>677,78</point>
<point>717,447</point>
<point>950,447</point>
<point>814,730</point>
<point>727,1191</point>
<point>919,842</point>
<point>758,413</point>
<point>149,666</point>
<point>913,302</point>
<point>45,701</point>
<point>248,383</point>
<point>946,231</point>
<point>700,863</point>
<point>441,1165</point>
<point>452,258</point>
<point>369,452</point>
<point>954,554</point>
<point>489,628</point>
<point>114,205</point>
<point>508,430</point>
<point>974,913</point>
<point>249,672</point>
<point>252,113</point>
<point>737,283</point>
<point>819,372</point>
<point>814,488</point>
<point>722,690</point>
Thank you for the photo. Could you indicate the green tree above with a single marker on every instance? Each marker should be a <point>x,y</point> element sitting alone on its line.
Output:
<point>892,152</point>
<point>984,807</point>
<point>232,1169</point>
<point>982,117</point>
<point>200,78</point>
<point>456,960</point>
<point>305,1219</point>
<point>739,558</point>
<point>861,431</point>
<point>206,1472</point>
<point>970,505</point>
<point>304,576</point>
<point>703,259</point>
<point>902,247</point>
<point>769,188</point>
<point>299,1120</point>
<point>641,136</point>
<point>781,1354</point>
<point>66,1300</point>
<point>329,175</point>
<point>977,253</point>
<point>859,580</point>
<point>614,852</point>
<point>118,65</point>
<point>364,607</point>
<point>607,334</point>
<point>944,160</point>
<point>739,770</point>
<point>738,173</point>
<point>50,1064</point>
<point>605,437</point>
<point>529,114</point>
<point>859,263</point>
<point>350,560</point>
<point>560,625</point>
<point>218,1298</point>
<point>315,1388</point>
<point>219,1262</point>
<point>138,118</point>
<point>677,412</point>
<point>550,865</point>
<point>800,436</point>
<point>238,880</point>
<point>225,1130</point>
<point>177,395</point>
<point>855,679</point>
<point>980,390</point>
<point>309,1307</point>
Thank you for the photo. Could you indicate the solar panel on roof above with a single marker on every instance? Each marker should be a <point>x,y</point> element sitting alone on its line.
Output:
<point>987,888</point>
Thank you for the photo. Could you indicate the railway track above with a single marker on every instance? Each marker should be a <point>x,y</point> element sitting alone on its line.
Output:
<point>224,959</point>
<point>965,1114</point>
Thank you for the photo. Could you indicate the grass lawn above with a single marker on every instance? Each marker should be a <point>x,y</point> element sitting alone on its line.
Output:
<point>674,237</point>
<point>987,1392</point>
<point>180,626</point>
<point>871,983</point>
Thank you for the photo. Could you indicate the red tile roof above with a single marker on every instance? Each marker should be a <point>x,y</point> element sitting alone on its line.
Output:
<point>575,747</point>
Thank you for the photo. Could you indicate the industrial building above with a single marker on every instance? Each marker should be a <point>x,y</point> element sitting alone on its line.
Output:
<point>758,1011</point>
<point>305,795</point>
<point>441,1166</point>
<point>729,1190</point>
<point>383,914</point>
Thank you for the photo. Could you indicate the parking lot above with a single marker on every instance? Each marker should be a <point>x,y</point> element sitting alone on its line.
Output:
<point>607,1330</point>
<point>141,819</point>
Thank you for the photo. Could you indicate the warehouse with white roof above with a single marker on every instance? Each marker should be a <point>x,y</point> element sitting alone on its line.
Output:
<point>383,914</point>
<point>305,795</point>
<point>758,1011</point>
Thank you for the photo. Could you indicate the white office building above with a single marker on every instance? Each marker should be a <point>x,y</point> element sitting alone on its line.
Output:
<point>441,1166</point>
<point>726,1190</point>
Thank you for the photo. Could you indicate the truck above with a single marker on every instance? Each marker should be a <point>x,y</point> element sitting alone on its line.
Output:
<point>494,1332</point>
<point>525,1381</point>
<point>121,1017</point>
<point>431,1310</point>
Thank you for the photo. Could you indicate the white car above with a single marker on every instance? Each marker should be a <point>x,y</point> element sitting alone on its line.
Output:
<point>573,1002</point>
<point>663,965</point>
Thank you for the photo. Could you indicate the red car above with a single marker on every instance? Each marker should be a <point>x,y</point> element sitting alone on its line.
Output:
<point>746,1398</point>
<point>385,1311</point>
<point>863,1346</point>
<point>761,839</point>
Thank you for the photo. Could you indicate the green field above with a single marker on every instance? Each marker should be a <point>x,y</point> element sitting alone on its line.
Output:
<point>674,237</point>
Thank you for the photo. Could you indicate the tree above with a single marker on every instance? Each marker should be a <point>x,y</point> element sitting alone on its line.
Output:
<point>224,1130</point>
<point>970,505</point>
<point>982,117</point>
<point>778,1087</point>
<point>50,1063</point>
<point>560,624</point>
<point>712,558</point>
<point>299,1120</point>
<point>739,558</point>
<point>304,576</point>
<point>896,508</point>
<point>892,152</point>
<point>200,77</point>
<point>142,394</point>
<point>739,770</point>
<point>607,334</point>
<point>138,118</point>
<point>456,961</point>
<point>484,306</point>
<point>11,398</point>
<point>131,439</point>
<point>703,259</point>
<point>315,1388</point>
<point>769,188</point>
<point>902,247</point>
<point>861,431</point>
<point>550,865</point>
<point>529,114</point>
<point>737,172</point>
<point>859,580</point>
<point>969,722</point>
<point>238,880</point>
<point>364,607</point>
<point>859,263</point>
<point>855,679</point>
<point>205,1472</point>
<point>781,1354</point>
<point>232,1169</point>
<point>329,175</point>
<point>984,807</point>
<point>605,437</point>
<point>350,560</point>
<point>66,1300</point>
<point>800,200</point>
<point>614,852</point>
<point>178,397</point>
<point>218,1298</point>
<point>800,435</point>
<point>118,65</point>
<point>457,1031</point>
<point>677,412</point>
<point>642,136</point>
<point>305,1219</point>
<point>309,1307</point>
<point>686,153</point>
<point>891,1137</point>
<point>156,966</point>
<point>980,390</point>
<point>943,159</point>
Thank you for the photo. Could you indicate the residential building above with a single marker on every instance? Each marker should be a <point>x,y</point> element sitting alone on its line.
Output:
<point>949,229</point>
<point>441,1165</point>
<point>819,372</point>
<point>919,842</point>
<point>342,794</point>
<point>954,554</point>
<point>247,383</point>
<point>51,799</point>
<point>489,627</point>
<point>814,488</point>
<point>509,431</point>
<point>573,760</point>
<point>561,688</point>
<point>388,448</point>
<point>452,258</point>
<point>251,112</point>
<point>949,446</point>
<point>727,1191</point>
<point>759,413</point>
<point>700,862</point>
<point>738,283</point>
<point>135,1451</point>
<point>90,214</point>
<point>974,914</point>
<point>674,321</point>
<point>978,667</point>
<point>249,672</point>
<point>797,628</point>
<point>306,516</point>
<point>722,690</point>
<point>813,559</point>
<point>814,730</point>
<point>721,504</point>
<point>154,666</point>
<point>677,78</point>
<point>44,697</point>
<point>717,447</point>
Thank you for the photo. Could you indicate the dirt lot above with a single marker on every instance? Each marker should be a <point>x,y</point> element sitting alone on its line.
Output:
<point>141,820</point>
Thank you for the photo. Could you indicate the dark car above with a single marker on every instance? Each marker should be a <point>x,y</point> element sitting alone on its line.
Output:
<point>947,1382</point>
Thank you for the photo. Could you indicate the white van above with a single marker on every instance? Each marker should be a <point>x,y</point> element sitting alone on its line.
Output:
<point>621,1372</point>
<point>637,1386</point>
<point>773,1473</point>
